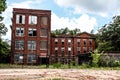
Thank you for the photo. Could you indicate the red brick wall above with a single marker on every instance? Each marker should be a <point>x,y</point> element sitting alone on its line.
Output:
<point>37,38</point>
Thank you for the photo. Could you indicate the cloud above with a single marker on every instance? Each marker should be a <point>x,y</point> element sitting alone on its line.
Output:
<point>100,7</point>
<point>84,22</point>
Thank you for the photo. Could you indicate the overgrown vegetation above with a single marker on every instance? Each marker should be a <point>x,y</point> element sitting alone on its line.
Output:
<point>65,31</point>
<point>101,60</point>
<point>95,58</point>
<point>4,46</point>
<point>108,37</point>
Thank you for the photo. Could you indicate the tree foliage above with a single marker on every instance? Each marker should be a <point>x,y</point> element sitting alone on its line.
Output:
<point>4,52</point>
<point>4,46</point>
<point>3,29</point>
<point>109,35</point>
<point>65,31</point>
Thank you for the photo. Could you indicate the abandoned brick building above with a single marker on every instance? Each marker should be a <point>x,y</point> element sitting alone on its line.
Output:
<point>32,42</point>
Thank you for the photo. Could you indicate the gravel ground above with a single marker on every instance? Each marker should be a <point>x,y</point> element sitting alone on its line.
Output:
<point>60,74</point>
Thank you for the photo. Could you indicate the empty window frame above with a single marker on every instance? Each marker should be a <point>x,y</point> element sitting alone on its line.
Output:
<point>63,60</point>
<point>19,44</point>
<point>56,41</point>
<point>90,40</point>
<point>63,51</point>
<point>78,41</point>
<point>31,45</point>
<point>69,49</point>
<point>19,31</point>
<point>31,58</point>
<point>43,32</point>
<point>90,49</point>
<point>43,45</point>
<point>32,32</point>
<point>84,42</point>
<point>85,49</point>
<point>78,50</point>
<point>63,40</point>
<point>69,40</point>
<point>43,20</point>
<point>56,48</point>
<point>17,58</point>
<point>56,53</point>
<point>32,19</point>
<point>20,19</point>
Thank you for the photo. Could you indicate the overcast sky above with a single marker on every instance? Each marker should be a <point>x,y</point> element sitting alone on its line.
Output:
<point>83,14</point>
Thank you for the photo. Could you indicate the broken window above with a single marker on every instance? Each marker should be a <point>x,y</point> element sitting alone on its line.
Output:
<point>90,49</point>
<point>20,19</point>
<point>90,40</point>
<point>63,40</point>
<point>17,58</point>
<point>84,42</point>
<point>78,50</point>
<point>85,49</point>
<point>31,58</point>
<point>31,45</point>
<point>19,44</point>
<point>19,31</point>
<point>78,41</point>
<point>32,19</point>
<point>32,32</point>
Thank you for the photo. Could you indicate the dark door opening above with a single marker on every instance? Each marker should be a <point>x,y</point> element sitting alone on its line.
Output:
<point>84,58</point>
<point>44,60</point>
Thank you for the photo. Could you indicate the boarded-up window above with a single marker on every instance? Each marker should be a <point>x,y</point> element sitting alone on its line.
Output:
<point>43,45</point>
<point>43,20</point>
<point>43,32</point>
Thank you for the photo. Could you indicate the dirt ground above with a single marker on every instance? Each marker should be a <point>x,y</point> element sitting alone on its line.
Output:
<point>58,74</point>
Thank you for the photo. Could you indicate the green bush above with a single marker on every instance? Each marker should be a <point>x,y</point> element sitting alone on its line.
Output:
<point>104,61</point>
<point>95,58</point>
<point>107,61</point>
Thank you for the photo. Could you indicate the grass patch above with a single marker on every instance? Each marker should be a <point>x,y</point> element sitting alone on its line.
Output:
<point>66,66</point>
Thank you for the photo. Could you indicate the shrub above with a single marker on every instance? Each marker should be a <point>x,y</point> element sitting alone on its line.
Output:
<point>95,58</point>
<point>107,61</point>
<point>104,61</point>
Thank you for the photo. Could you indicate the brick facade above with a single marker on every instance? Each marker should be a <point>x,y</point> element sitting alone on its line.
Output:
<point>67,48</point>
<point>28,28</point>
<point>32,42</point>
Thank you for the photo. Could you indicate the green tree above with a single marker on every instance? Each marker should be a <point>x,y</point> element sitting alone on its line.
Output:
<point>4,52</point>
<point>4,47</point>
<point>110,33</point>
<point>65,31</point>
<point>3,29</point>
